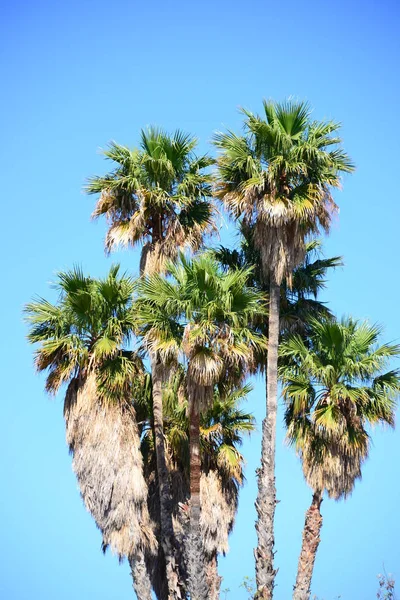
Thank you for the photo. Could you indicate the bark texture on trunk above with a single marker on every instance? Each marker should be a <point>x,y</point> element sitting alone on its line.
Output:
<point>140,577</point>
<point>213,578</point>
<point>266,498</point>
<point>167,532</point>
<point>197,581</point>
<point>195,462</point>
<point>311,540</point>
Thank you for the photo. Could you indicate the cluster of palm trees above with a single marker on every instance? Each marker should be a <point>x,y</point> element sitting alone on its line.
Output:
<point>155,368</point>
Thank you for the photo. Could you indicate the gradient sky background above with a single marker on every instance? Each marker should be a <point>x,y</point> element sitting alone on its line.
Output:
<point>78,74</point>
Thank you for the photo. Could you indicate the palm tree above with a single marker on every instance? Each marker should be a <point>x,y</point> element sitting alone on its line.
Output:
<point>158,196</point>
<point>80,343</point>
<point>203,314</point>
<point>335,386</point>
<point>278,179</point>
<point>221,431</point>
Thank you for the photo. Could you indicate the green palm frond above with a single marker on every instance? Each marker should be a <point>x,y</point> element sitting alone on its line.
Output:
<point>86,331</point>
<point>158,195</point>
<point>299,303</point>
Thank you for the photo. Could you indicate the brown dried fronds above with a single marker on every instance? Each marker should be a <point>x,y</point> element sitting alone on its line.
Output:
<point>104,442</point>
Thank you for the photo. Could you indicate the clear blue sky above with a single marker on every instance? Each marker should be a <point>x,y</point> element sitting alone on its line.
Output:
<point>78,74</point>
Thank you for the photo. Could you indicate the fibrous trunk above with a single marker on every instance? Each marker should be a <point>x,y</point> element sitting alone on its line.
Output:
<point>197,582</point>
<point>311,540</point>
<point>266,499</point>
<point>167,532</point>
<point>140,577</point>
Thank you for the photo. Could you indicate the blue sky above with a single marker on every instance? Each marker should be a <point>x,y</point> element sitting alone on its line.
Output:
<point>76,75</point>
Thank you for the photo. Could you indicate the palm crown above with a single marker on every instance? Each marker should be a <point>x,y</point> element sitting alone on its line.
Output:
<point>335,385</point>
<point>158,194</point>
<point>203,313</point>
<point>278,176</point>
<point>85,331</point>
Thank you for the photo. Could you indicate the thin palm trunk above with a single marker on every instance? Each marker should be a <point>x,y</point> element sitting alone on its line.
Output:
<point>140,577</point>
<point>213,578</point>
<point>266,499</point>
<point>167,532</point>
<point>197,581</point>
<point>311,540</point>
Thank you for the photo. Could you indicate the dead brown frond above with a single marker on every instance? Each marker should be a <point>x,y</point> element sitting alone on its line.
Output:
<point>218,509</point>
<point>104,442</point>
<point>333,466</point>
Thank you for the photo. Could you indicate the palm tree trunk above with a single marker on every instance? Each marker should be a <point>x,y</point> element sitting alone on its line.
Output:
<point>213,578</point>
<point>197,582</point>
<point>195,463</point>
<point>311,540</point>
<point>266,499</point>
<point>141,578</point>
<point>167,532</point>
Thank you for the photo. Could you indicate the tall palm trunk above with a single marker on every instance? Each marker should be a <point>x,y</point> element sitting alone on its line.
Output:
<point>197,582</point>
<point>266,499</point>
<point>167,532</point>
<point>311,540</point>
<point>140,577</point>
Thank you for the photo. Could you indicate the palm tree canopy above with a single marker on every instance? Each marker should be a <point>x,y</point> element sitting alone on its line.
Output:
<point>86,329</point>
<point>204,314</point>
<point>335,385</point>
<point>158,194</point>
<point>278,176</point>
